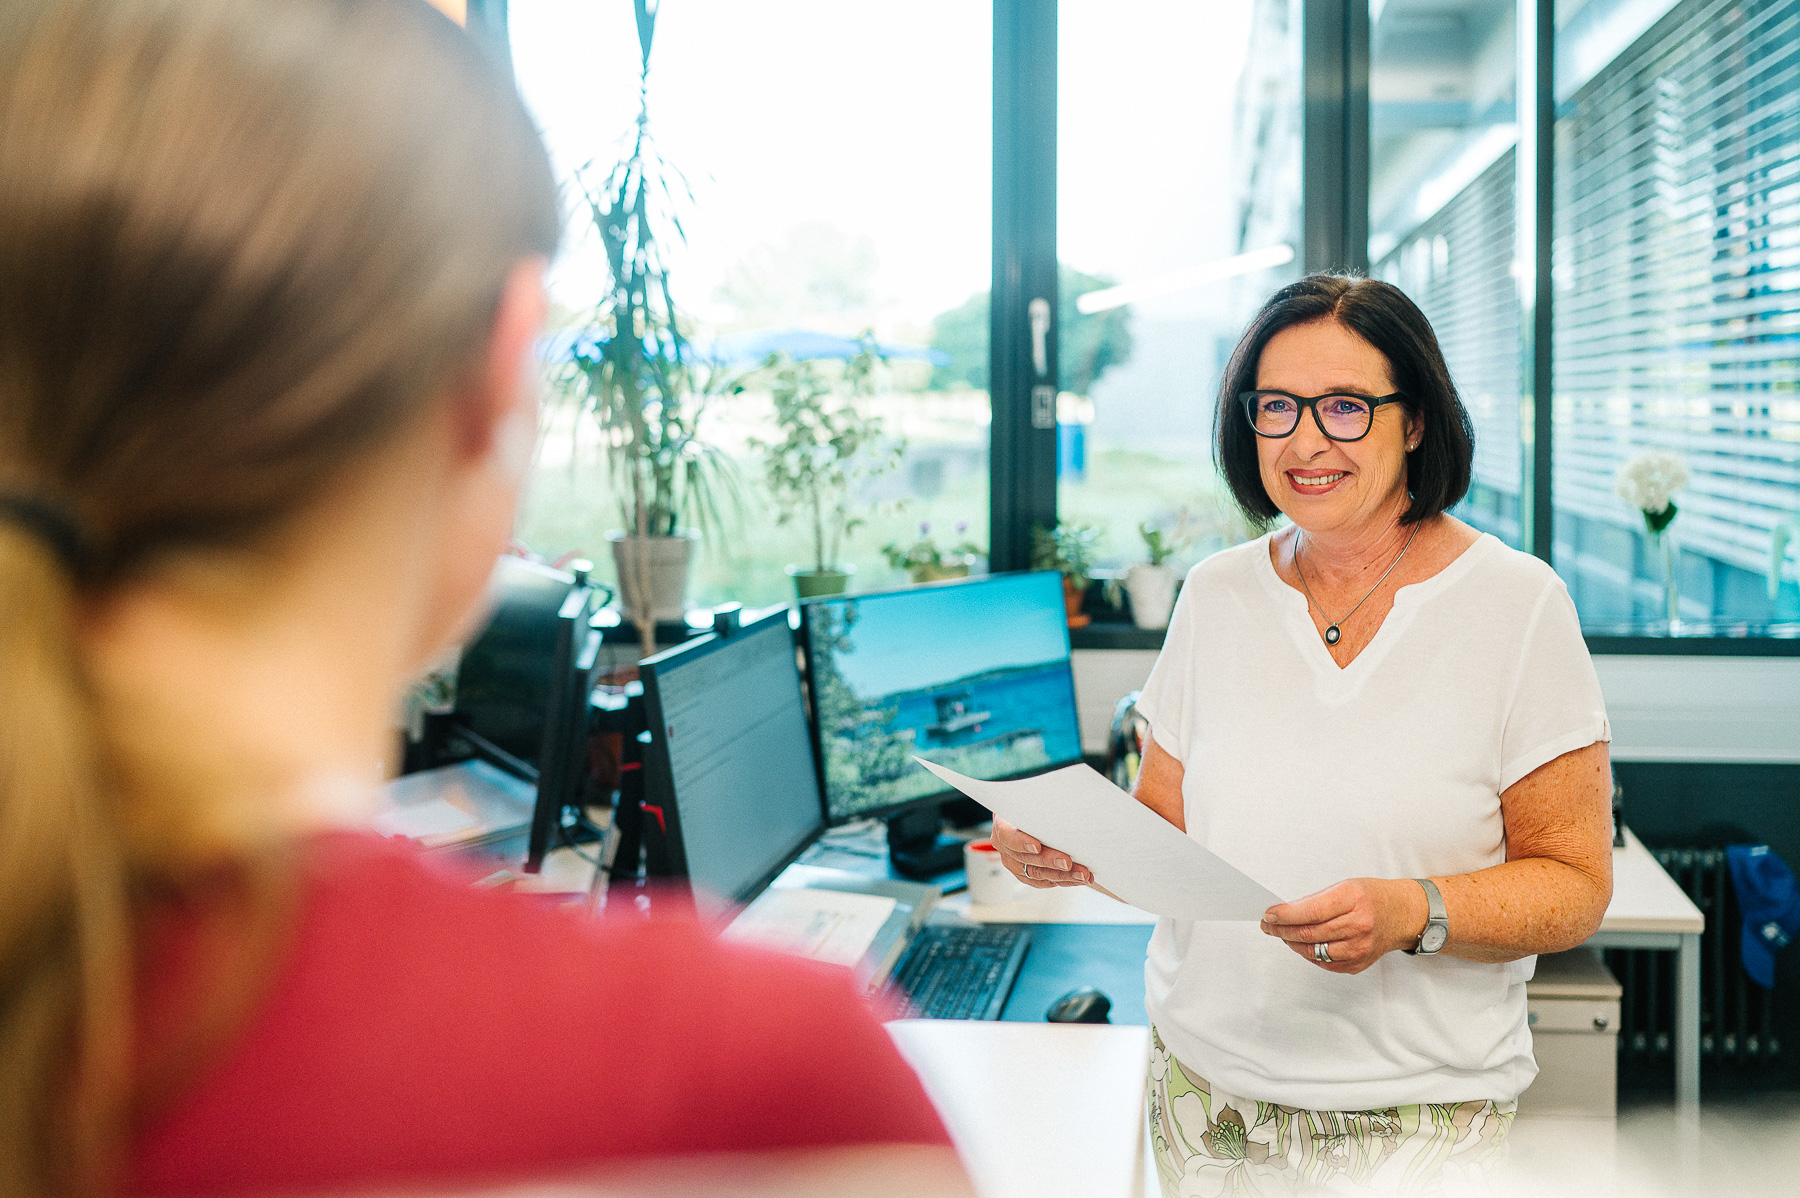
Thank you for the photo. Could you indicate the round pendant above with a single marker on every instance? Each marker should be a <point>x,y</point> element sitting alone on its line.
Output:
<point>1332,634</point>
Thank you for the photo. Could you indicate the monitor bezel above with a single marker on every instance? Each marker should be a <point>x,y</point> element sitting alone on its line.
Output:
<point>659,776</point>
<point>909,806</point>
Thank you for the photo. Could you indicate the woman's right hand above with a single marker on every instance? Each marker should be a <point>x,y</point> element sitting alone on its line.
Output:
<point>1036,865</point>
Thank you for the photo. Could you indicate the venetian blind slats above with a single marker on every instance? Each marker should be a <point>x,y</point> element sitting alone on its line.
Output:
<point>1457,266</point>
<point>1677,273</point>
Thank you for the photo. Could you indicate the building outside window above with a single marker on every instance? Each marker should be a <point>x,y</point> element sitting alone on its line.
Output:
<point>1178,201</point>
<point>1443,126</point>
<point>1677,301</point>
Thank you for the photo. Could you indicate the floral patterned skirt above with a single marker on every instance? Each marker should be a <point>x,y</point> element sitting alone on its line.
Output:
<point>1210,1143</point>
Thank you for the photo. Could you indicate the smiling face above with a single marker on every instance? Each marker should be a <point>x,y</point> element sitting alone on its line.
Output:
<point>1327,486</point>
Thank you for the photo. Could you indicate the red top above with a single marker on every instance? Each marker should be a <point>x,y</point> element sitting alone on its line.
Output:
<point>419,1030</point>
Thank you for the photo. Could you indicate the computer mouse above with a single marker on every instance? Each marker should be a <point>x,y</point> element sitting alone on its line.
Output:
<point>1080,1006</point>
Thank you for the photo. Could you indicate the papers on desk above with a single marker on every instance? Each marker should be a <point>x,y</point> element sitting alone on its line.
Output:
<point>454,804</point>
<point>1132,851</point>
<point>433,822</point>
<point>834,926</point>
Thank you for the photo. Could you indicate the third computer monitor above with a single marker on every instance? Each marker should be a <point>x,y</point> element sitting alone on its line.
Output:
<point>971,675</point>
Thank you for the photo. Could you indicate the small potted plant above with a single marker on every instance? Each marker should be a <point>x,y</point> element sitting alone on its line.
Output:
<point>1648,483</point>
<point>1151,583</point>
<point>1069,549</point>
<point>923,561</point>
<point>829,443</point>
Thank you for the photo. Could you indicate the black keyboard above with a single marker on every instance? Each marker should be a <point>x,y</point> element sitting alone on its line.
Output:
<point>959,972</point>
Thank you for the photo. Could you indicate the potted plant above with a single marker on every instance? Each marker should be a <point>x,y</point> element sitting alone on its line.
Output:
<point>1151,583</point>
<point>923,561</point>
<point>634,372</point>
<point>1069,549</point>
<point>828,444</point>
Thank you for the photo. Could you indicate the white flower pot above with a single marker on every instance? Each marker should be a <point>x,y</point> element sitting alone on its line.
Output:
<point>653,573</point>
<point>1152,591</point>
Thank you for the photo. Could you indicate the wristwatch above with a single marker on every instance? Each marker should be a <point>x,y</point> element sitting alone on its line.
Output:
<point>1437,923</point>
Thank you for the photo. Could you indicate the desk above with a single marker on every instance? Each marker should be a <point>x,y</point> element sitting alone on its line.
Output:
<point>1079,938</point>
<point>1649,910</point>
<point>1037,1109</point>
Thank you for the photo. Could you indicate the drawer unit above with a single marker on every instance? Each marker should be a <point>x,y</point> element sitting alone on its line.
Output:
<point>1573,1008</point>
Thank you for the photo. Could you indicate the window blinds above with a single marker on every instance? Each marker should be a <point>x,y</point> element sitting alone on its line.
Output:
<point>1677,274</point>
<point>1457,266</point>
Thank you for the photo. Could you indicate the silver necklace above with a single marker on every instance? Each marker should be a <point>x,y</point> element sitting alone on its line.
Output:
<point>1332,634</point>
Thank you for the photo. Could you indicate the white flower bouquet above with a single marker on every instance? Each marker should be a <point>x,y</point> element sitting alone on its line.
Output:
<point>1648,482</point>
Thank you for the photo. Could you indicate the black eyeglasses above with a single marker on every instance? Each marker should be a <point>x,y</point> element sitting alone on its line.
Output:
<point>1343,417</point>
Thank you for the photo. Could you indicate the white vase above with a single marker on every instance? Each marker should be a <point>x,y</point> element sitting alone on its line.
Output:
<point>1152,591</point>
<point>653,573</point>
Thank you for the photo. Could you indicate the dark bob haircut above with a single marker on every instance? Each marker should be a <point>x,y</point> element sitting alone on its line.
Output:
<point>1437,472</point>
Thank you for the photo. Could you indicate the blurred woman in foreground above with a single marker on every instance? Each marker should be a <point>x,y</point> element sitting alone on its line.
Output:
<point>270,274</point>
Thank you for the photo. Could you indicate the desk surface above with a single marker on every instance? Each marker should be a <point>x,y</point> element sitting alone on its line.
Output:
<point>1037,1108</point>
<point>1074,956</point>
<point>1645,898</point>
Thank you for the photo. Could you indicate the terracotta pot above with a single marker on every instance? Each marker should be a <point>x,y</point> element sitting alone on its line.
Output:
<point>653,573</point>
<point>811,583</point>
<point>1074,591</point>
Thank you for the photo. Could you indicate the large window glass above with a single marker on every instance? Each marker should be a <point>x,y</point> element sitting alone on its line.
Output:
<point>1677,305</point>
<point>1442,187</point>
<point>1178,211</point>
<point>838,160</point>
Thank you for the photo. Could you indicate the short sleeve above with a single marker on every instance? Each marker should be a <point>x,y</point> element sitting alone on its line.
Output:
<point>1167,696</point>
<point>1556,706</point>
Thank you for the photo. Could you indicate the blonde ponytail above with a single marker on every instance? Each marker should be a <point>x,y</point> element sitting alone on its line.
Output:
<point>242,244</point>
<point>64,930</point>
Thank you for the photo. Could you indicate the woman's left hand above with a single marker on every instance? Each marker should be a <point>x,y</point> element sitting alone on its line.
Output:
<point>1359,921</point>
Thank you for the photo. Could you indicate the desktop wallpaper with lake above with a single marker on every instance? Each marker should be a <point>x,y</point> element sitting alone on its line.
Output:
<point>973,676</point>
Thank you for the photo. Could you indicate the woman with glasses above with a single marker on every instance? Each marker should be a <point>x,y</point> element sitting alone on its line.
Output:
<point>1393,718</point>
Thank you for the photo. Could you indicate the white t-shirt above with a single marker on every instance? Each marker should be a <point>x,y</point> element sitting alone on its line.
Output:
<point>1303,774</point>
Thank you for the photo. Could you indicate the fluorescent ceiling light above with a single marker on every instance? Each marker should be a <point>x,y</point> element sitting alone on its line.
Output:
<point>1109,298</point>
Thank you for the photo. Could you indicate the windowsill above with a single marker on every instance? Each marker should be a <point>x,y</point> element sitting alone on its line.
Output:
<point>1115,635</point>
<point>1694,638</point>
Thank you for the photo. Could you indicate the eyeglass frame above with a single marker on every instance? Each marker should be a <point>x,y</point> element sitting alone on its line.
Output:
<point>1374,402</point>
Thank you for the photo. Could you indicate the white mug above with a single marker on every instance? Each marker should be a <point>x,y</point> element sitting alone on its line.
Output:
<point>989,879</point>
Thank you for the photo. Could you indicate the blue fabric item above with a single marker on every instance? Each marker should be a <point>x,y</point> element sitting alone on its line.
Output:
<point>1769,898</point>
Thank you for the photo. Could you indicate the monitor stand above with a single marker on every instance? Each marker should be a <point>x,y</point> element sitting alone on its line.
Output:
<point>917,847</point>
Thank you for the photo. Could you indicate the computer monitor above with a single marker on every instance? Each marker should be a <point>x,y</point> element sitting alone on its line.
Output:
<point>729,777</point>
<point>523,684</point>
<point>971,674</point>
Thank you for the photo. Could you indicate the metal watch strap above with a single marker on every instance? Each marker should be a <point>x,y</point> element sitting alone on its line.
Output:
<point>1437,915</point>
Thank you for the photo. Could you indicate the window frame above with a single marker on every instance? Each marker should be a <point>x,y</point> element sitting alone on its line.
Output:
<point>1335,49</point>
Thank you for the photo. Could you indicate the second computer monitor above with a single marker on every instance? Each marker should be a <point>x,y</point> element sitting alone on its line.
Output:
<point>972,675</point>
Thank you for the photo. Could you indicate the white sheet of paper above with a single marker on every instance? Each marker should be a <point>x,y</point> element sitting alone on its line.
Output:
<point>835,926</point>
<point>432,822</point>
<point>1133,852</point>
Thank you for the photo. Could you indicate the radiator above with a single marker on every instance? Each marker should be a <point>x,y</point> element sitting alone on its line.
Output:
<point>1737,1017</point>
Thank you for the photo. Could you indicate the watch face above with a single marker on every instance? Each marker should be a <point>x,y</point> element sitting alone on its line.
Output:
<point>1433,938</point>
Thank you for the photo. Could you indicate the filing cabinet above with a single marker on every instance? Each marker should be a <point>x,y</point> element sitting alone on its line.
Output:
<point>1573,1007</point>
